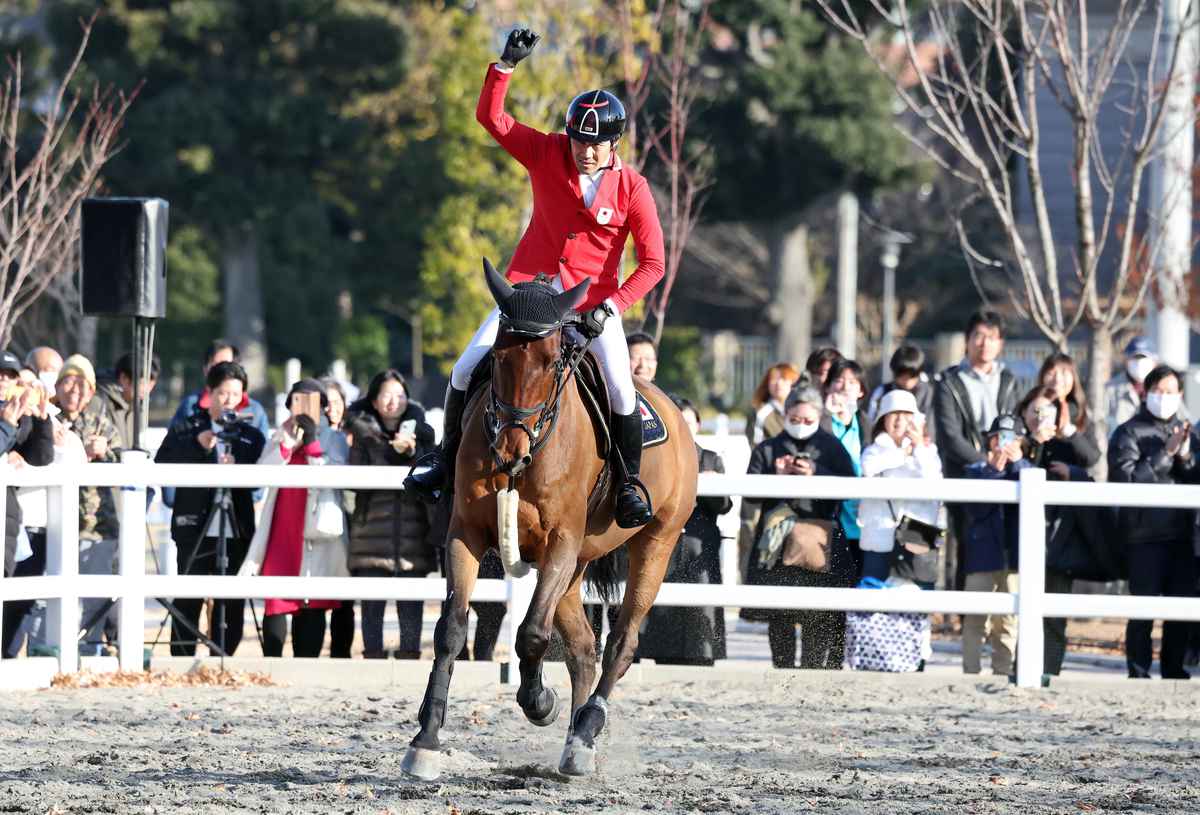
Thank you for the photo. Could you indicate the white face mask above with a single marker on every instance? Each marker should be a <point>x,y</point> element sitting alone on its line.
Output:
<point>49,379</point>
<point>1138,367</point>
<point>1163,405</point>
<point>800,430</point>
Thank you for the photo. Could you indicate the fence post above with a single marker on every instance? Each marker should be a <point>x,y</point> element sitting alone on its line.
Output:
<point>1031,590</point>
<point>62,558</point>
<point>520,595</point>
<point>132,559</point>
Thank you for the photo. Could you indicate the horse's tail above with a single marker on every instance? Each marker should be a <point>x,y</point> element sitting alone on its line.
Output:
<point>605,574</point>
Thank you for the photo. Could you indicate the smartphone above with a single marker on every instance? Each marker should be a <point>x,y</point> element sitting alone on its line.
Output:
<point>408,427</point>
<point>307,404</point>
<point>1047,417</point>
<point>1007,437</point>
<point>803,455</point>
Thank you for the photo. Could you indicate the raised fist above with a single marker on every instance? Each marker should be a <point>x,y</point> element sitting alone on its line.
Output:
<point>520,44</point>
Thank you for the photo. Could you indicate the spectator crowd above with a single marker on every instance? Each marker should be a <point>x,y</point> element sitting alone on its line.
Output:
<point>970,421</point>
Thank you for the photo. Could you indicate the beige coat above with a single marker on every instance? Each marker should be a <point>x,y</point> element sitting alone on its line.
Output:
<point>323,556</point>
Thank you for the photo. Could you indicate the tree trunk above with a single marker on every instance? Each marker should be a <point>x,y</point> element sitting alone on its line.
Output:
<point>792,308</point>
<point>245,323</point>
<point>1099,371</point>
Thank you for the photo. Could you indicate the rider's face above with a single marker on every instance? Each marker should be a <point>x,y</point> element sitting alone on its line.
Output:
<point>591,157</point>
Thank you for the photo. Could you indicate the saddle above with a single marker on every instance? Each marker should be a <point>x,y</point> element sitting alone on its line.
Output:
<point>593,389</point>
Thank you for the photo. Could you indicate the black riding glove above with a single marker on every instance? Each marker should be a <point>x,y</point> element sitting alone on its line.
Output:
<point>520,44</point>
<point>591,323</point>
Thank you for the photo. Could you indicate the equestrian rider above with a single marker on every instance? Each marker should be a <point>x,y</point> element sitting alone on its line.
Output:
<point>585,205</point>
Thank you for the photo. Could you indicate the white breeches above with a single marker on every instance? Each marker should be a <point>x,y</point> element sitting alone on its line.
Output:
<point>609,347</point>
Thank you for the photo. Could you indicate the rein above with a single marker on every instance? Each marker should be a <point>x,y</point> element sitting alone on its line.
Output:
<point>500,416</point>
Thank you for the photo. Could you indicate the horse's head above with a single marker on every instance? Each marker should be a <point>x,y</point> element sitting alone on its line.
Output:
<point>527,367</point>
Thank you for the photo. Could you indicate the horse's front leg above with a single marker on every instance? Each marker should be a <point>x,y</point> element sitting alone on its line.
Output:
<point>463,554</point>
<point>540,703</point>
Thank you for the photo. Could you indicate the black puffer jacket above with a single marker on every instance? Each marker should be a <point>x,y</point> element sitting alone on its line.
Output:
<point>194,504</point>
<point>34,440</point>
<point>389,529</point>
<point>1137,454</point>
<point>1080,541</point>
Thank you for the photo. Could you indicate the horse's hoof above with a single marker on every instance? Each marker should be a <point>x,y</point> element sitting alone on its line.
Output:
<point>577,758</point>
<point>549,718</point>
<point>421,763</point>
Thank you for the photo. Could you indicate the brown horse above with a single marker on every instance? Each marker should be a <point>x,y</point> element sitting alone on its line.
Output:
<point>558,460</point>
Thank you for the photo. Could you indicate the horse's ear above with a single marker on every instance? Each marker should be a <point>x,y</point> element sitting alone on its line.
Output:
<point>569,299</point>
<point>500,288</point>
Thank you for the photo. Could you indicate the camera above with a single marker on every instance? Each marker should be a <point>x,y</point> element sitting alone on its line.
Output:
<point>231,424</point>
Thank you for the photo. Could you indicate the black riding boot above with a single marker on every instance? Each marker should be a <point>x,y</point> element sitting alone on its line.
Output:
<point>633,508</point>
<point>440,474</point>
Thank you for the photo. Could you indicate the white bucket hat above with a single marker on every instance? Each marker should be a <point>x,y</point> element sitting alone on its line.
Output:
<point>899,399</point>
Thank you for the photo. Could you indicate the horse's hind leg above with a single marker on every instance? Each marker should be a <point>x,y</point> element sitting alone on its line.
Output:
<point>648,558</point>
<point>423,759</point>
<point>540,703</point>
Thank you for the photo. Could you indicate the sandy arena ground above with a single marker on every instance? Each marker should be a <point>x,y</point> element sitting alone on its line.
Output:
<point>794,742</point>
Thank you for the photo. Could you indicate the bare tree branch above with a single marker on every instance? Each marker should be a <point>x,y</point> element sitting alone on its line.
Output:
<point>43,188</point>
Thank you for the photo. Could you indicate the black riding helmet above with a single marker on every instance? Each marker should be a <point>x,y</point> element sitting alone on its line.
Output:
<point>595,116</point>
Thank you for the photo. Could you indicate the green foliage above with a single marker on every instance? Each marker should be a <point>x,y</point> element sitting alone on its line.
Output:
<point>363,343</point>
<point>681,364</point>
<point>252,116</point>
<point>798,113</point>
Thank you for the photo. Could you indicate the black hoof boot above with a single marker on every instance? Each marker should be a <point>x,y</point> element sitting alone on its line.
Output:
<point>543,709</point>
<point>579,753</point>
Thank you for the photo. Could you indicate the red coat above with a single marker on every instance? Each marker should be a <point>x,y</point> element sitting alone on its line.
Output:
<point>564,237</point>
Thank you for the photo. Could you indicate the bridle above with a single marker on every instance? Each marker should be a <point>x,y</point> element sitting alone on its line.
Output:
<point>500,416</point>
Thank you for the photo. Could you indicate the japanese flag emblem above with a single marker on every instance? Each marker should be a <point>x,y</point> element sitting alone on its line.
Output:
<point>603,215</point>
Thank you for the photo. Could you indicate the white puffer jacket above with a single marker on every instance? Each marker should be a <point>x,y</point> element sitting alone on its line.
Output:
<point>885,459</point>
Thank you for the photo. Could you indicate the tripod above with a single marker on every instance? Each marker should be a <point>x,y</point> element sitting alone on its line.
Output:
<point>221,513</point>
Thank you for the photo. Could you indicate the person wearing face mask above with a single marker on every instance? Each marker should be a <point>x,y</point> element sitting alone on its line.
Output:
<point>45,363</point>
<point>692,636</point>
<point>1157,446</point>
<point>1125,392</point>
<point>389,529</point>
<point>901,449</point>
<point>766,416</point>
<point>845,419</point>
<point>802,449</point>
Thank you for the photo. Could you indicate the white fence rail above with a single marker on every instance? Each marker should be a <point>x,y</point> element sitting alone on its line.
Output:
<point>63,586</point>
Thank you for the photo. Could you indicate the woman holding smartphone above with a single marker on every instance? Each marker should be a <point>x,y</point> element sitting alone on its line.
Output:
<point>389,529</point>
<point>302,532</point>
<point>803,449</point>
<point>1073,535</point>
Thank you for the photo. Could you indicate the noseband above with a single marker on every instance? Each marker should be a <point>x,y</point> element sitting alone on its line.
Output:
<point>500,415</point>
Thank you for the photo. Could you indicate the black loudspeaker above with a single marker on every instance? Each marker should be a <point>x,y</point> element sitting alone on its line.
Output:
<point>124,270</point>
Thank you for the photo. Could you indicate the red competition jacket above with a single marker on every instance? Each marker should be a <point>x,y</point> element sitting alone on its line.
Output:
<point>565,237</point>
